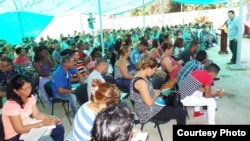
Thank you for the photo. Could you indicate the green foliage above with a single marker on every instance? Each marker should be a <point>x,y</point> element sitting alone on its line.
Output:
<point>170,7</point>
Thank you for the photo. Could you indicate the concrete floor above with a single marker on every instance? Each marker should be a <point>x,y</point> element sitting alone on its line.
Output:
<point>232,108</point>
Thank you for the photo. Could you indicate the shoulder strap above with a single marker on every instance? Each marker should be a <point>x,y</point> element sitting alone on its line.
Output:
<point>137,78</point>
<point>119,60</point>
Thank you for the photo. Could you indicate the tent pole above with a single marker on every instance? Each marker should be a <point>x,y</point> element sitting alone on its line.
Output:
<point>20,20</point>
<point>101,32</point>
<point>20,23</point>
<point>230,5</point>
<point>143,13</point>
<point>239,40</point>
<point>182,13</point>
<point>81,22</point>
<point>162,11</point>
<point>113,25</point>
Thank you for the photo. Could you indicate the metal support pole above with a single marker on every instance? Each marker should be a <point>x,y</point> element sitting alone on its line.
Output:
<point>182,14</point>
<point>20,23</point>
<point>143,14</point>
<point>239,40</point>
<point>101,32</point>
<point>162,11</point>
<point>230,4</point>
<point>113,23</point>
<point>81,22</point>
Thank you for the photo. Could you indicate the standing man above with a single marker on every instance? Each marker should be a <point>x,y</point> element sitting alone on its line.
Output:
<point>233,32</point>
<point>91,22</point>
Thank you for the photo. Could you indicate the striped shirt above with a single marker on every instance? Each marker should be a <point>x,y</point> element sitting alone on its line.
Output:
<point>194,81</point>
<point>80,68</point>
<point>83,123</point>
<point>188,68</point>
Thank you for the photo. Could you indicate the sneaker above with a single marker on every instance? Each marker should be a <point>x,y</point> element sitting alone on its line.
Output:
<point>198,114</point>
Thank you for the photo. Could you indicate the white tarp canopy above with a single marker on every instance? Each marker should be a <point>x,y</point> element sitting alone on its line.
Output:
<point>59,7</point>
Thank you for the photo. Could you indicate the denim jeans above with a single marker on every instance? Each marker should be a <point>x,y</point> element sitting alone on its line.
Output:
<point>72,101</point>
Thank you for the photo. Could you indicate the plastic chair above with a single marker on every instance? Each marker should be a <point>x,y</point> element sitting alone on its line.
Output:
<point>82,94</point>
<point>157,124</point>
<point>54,100</point>
<point>35,86</point>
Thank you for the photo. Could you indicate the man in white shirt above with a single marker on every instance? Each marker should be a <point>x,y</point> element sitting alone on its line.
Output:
<point>101,68</point>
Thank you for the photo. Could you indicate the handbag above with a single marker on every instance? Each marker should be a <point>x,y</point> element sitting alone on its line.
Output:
<point>173,99</point>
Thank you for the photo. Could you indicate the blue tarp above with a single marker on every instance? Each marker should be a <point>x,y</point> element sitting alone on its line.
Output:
<point>16,25</point>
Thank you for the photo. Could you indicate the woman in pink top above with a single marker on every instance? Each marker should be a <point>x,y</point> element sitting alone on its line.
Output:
<point>18,108</point>
<point>168,63</point>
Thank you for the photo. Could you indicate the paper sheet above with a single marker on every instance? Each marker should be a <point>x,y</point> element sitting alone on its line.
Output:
<point>36,133</point>
<point>142,136</point>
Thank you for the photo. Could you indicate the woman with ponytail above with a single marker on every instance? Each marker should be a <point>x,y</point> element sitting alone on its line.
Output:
<point>103,95</point>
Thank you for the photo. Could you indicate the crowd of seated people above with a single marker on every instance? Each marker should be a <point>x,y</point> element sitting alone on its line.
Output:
<point>74,58</point>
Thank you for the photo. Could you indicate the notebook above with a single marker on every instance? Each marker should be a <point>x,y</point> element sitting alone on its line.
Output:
<point>36,133</point>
